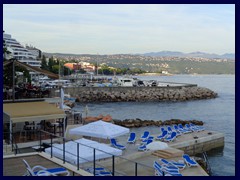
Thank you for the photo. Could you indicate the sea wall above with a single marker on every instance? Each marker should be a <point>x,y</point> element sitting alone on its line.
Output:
<point>143,94</point>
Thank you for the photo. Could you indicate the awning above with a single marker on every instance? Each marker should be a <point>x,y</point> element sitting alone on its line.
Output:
<point>31,111</point>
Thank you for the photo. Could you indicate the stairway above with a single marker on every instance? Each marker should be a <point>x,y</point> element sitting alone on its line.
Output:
<point>168,153</point>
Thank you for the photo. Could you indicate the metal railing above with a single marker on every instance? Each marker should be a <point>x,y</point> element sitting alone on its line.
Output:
<point>11,141</point>
<point>95,161</point>
<point>84,163</point>
<point>205,157</point>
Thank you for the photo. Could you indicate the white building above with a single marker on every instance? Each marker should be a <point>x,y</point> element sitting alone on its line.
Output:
<point>36,52</point>
<point>19,52</point>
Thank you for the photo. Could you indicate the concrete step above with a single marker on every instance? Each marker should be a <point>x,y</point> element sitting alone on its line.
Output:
<point>168,153</point>
<point>161,154</point>
<point>7,150</point>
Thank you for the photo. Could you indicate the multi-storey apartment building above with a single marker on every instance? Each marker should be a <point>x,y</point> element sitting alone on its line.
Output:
<point>19,52</point>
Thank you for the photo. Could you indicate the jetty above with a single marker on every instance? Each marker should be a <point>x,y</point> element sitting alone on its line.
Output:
<point>138,94</point>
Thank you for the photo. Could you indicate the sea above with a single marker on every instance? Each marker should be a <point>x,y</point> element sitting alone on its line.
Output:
<point>217,114</point>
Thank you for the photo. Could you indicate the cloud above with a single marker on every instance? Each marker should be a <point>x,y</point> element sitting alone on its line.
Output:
<point>122,28</point>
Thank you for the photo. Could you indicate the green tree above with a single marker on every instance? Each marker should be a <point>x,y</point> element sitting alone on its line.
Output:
<point>55,69</point>
<point>5,51</point>
<point>44,64</point>
<point>50,64</point>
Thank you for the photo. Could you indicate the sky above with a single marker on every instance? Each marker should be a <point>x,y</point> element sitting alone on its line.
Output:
<point>122,28</point>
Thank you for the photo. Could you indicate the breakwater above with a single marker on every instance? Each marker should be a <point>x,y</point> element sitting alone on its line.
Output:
<point>137,94</point>
<point>129,123</point>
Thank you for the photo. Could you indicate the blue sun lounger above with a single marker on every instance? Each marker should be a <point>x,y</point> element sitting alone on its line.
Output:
<point>173,163</point>
<point>145,135</point>
<point>42,171</point>
<point>175,127</point>
<point>172,137</point>
<point>162,129</point>
<point>180,126</point>
<point>142,147</point>
<point>114,144</point>
<point>162,136</point>
<point>132,137</point>
<point>189,161</point>
<point>198,128</point>
<point>166,169</point>
<point>148,140</point>
<point>99,171</point>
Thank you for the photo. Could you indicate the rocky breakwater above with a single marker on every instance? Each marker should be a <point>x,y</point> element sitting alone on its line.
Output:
<point>129,123</point>
<point>124,94</point>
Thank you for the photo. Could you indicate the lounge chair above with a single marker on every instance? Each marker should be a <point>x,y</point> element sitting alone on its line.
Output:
<point>180,126</point>
<point>178,129</point>
<point>39,173</point>
<point>162,129</point>
<point>172,137</point>
<point>175,127</point>
<point>169,129</point>
<point>179,165</point>
<point>132,137</point>
<point>188,128</point>
<point>189,161</point>
<point>148,140</point>
<point>142,147</point>
<point>145,135</point>
<point>198,128</point>
<point>99,171</point>
<point>42,171</point>
<point>114,144</point>
<point>166,169</point>
<point>162,136</point>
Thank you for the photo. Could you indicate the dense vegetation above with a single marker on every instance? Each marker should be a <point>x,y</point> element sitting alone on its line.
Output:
<point>180,67</point>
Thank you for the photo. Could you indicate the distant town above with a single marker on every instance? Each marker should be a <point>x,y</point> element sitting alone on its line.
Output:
<point>150,64</point>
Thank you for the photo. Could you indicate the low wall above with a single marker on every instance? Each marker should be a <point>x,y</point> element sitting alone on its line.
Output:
<point>119,94</point>
<point>195,146</point>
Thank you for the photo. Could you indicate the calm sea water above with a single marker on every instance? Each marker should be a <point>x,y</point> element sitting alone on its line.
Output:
<point>217,114</point>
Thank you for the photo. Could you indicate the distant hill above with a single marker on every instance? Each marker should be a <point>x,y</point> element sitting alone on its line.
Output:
<point>192,54</point>
<point>159,54</point>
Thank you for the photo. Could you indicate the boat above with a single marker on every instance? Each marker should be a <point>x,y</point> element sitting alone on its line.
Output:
<point>125,82</point>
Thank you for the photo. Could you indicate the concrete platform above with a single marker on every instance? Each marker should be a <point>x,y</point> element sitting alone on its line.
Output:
<point>133,159</point>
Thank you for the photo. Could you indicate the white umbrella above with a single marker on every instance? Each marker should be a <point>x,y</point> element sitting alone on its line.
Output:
<point>100,129</point>
<point>156,145</point>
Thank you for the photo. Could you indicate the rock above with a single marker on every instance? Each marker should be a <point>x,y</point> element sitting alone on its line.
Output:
<point>143,123</point>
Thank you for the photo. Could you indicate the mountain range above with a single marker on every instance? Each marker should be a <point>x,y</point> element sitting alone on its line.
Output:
<point>161,54</point>
<point>192,54</point>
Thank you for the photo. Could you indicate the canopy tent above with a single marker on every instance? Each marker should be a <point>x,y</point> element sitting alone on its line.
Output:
<point>100,129</point>
<point>86,153</point>
<point>31,111</point>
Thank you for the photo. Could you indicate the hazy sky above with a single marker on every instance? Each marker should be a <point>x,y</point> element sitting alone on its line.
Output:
<point>113,29</point>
